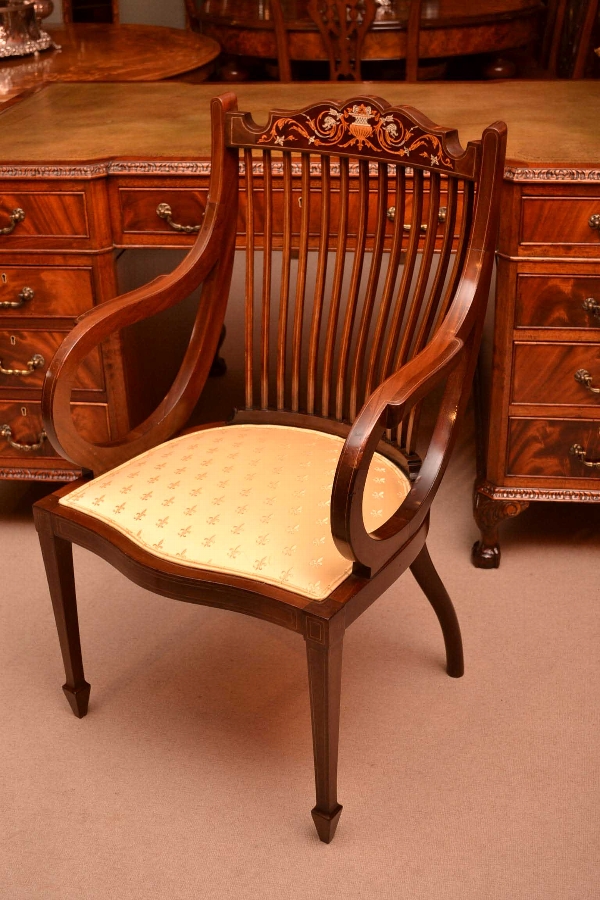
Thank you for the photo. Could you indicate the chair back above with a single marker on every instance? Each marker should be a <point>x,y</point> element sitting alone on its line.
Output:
<point>110,12</point>
<point>191,15</point>
<point>568,37</point>
<point>343,25</point>
<point>360,220</point>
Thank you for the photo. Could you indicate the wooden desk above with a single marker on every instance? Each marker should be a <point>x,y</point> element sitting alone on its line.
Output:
<point>112,153</point>
<point>448,28</point>
<point>109,53</point>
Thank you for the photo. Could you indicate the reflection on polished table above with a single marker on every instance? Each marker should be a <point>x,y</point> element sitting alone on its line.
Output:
<point>448,28</point>
<point>112,154</point>
<point>109,53</point>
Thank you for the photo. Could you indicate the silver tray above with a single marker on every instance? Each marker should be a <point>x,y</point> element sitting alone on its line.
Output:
<point>20,32</point>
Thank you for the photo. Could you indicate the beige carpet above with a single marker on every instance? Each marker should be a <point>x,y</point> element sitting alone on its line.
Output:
<point>191,777</point>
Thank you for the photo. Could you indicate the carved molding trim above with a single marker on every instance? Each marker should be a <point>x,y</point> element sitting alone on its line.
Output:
<point>548,173</point>
<point>159,167</point>
<point>202,168</point>
<point>20,474</point>
<point>110,167</point>
<point>525,495</point>
<point>164,167</point>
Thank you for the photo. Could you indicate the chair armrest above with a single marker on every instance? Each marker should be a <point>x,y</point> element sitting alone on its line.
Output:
<point>443,358</point>
<point>208,263</point>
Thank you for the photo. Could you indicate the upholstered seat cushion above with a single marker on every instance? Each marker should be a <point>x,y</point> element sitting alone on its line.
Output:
<point>250,500</point>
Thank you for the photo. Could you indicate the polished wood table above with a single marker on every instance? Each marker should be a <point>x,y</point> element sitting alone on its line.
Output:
<point>112,154</point>
<point>109,53</point>
<point>448,28</point>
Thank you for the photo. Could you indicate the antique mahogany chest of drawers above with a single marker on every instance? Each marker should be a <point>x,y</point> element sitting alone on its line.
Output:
<point>96,168</point>
<point>541,437</point>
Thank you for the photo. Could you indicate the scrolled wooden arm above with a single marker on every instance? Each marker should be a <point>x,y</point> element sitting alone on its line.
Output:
<point>450,356</point>
<point>209,263</point>
<point>385,408</point>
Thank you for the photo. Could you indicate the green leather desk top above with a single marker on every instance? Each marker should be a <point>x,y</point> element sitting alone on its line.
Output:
<point>551,123</point>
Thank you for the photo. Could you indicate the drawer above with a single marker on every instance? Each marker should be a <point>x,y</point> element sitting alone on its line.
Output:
<point>134,212</point>
<point>25,422</point>
<point>545,374</point>
<point>543,447</point>
<point>560,220</point>
<point>47,215</point>
<point>30,352</point>
<point>314,217</point>
<point>557,301</point>
<point>45,291</point>
<point>137,211</point>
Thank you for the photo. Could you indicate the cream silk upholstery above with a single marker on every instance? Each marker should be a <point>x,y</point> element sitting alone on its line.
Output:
<point>250,500</point>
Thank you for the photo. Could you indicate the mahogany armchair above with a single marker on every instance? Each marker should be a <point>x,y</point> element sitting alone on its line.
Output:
<point>310,502</point>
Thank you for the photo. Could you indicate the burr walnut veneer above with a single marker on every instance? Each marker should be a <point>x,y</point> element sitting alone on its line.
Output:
<point>112,154</point>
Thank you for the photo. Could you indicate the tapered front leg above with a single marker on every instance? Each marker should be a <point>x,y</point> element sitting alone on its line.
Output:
<point>324,655</point>
<point>58,560</point>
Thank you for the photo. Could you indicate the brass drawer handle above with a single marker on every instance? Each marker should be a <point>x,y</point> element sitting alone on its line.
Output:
<point>26,294</point>
<point>579,451</point>
<point>582,376</point>
<point>6,433</point>
<point>443,212</point>
<point>164,211</point>
<point>591,306</point>
<point>594,221</point>
<point>16,216</point>
<point>36,362</point>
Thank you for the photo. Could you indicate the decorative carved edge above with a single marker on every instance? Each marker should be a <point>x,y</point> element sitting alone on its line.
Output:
<point>550,173</point>
<point>524,495</point>
<point>149,167</point>
<point>202,168</point>
<point>20,474</point>
<point>110,167</point>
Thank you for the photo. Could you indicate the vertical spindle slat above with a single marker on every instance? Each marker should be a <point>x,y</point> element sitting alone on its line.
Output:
<point>447,245</point>
<point>249,323</point>
<point>267,269</point>
<point>284,294</point>
<point>464,236</point>
<point>390,280</point>
<point>407,436</point>
<point>301,280</point>
<point>403,294</point>
<point>336,289</point>
<point>371,289</point>
<point>321,276</point>
<point>417,313</point>
<point>354,287</point>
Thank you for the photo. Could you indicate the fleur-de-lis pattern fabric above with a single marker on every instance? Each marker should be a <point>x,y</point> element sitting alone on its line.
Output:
<point>250,500</point>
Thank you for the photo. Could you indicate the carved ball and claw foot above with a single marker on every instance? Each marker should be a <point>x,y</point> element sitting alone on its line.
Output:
<point>489,513</point>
